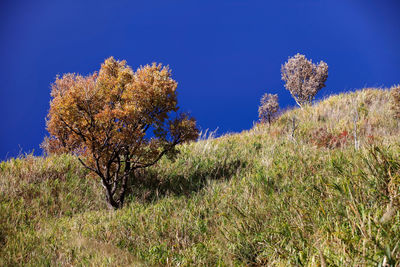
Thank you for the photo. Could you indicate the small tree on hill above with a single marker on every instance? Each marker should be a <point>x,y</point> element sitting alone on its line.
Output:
<point>105,118</point>
<point>268,107</point>
<point>395,92</point>
<point>303,78</point>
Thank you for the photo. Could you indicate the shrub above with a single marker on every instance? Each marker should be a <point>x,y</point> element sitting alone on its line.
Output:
<point>105,118</point>
<point>322,138</point>
<point>268,107</point>
<point>395,91</point>
<point>303,78</point>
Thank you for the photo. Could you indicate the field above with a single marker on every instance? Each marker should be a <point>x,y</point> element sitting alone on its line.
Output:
<point>320,186</point>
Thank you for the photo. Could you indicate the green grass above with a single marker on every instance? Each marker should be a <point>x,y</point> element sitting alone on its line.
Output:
<point>261,197</point>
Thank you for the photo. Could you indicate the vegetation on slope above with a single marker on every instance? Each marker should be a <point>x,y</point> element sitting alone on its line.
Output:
<point>296,192</point>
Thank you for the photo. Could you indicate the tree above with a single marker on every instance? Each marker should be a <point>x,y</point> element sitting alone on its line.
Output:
<point>303,78</point>
<point>268,107</point>
<point>395,101</point>
<point>117,121</point>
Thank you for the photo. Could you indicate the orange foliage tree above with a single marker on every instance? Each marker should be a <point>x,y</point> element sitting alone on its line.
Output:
<point>117,121</point>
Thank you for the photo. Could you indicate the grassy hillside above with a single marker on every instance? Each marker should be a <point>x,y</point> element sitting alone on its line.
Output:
<point>275,195</point>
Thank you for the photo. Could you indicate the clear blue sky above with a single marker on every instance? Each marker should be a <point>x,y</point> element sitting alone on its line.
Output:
<point>224,54</point>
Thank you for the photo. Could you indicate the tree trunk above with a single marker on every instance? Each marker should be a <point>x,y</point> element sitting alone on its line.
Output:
<point>115,200</point>
<point>110,192</point>
<point>112,204</point>
<point>123,189</point>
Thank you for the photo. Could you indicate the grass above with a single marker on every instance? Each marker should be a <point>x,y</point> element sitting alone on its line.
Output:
<point>266,196</point>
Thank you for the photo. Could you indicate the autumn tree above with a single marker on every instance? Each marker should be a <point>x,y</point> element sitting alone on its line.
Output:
<point>268,107</point>
<point>303,78</point>
<point>117,121</point>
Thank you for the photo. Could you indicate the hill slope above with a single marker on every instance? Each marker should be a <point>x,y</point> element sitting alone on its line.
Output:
<point>297,192</point>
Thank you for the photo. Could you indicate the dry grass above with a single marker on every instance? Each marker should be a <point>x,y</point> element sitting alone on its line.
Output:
<point>262,197</point>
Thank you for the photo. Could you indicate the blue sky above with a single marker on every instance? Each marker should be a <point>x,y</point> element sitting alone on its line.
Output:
<point>224,54</point>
